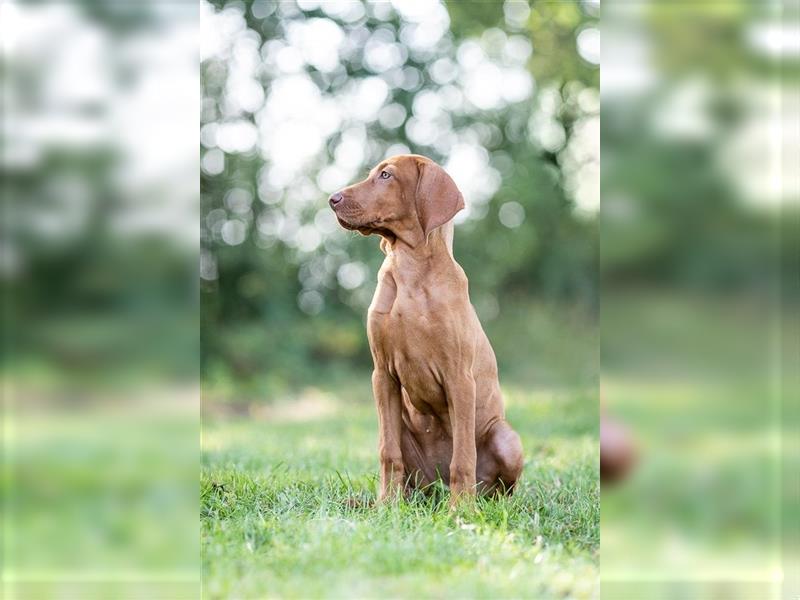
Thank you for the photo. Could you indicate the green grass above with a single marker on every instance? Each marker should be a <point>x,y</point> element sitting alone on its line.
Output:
<point>709,509</point>
<point>288,509</point>
<point>99,499</point>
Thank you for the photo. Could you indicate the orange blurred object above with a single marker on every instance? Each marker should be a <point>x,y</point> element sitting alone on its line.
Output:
<point>617,452</point>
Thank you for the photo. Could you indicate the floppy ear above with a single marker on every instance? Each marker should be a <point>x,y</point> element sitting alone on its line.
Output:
<point>437,197</point>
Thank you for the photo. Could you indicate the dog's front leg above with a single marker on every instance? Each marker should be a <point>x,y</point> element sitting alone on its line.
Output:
<point>389,402</point>
<point>460,393</point>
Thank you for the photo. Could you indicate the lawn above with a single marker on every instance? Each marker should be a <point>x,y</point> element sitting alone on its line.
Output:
<point>704,385</point>
<point>288,508</point>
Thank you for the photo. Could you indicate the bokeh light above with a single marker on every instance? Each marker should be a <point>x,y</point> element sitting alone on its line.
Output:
<point>301,99</point>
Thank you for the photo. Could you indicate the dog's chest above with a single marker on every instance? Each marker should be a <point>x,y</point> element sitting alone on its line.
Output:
<point>411,336</point>
<point>408,331</point>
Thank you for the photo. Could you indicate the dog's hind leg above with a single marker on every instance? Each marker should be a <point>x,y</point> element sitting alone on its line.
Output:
<point>500,460</point>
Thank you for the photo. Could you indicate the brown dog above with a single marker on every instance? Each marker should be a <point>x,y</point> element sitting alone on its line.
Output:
<point>435,379</point>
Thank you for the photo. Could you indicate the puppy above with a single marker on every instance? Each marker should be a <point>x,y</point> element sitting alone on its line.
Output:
<point>435,382</point>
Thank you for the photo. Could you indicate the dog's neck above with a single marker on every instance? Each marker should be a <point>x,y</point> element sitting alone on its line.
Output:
<point>414,243</point>
<point>419,256</point>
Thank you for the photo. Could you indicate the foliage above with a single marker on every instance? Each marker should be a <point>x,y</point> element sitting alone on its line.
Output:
<point>267,296</point>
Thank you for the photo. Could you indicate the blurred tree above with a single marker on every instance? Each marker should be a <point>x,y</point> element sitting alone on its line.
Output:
<point>498,93</point>
<point>675,212</point>
<point>83,284</point>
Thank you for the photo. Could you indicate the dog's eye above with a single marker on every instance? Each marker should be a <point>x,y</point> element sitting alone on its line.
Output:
<point>385,175</point>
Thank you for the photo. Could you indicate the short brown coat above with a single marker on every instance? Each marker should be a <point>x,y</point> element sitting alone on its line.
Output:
<point>435,376</point>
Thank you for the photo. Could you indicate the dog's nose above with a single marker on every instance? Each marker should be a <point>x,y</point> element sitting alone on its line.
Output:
<point>335,199</point>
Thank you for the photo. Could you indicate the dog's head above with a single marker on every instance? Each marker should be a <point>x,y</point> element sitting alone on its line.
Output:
<point>405,196</point>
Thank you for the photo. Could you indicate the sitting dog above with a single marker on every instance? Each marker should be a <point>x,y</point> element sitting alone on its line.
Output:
<point>435,383</point>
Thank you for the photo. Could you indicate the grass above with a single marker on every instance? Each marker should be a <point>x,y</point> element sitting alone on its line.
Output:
<point>288,509</point>
<point>709,510</point>
<point>99,499</point>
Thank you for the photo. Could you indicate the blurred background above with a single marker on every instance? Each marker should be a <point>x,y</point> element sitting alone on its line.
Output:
<point>301,99</point>
<point>700,255</point>
<point>99,357</point>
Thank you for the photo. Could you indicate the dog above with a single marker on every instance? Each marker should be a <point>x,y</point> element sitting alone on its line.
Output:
<point>435,382</point>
